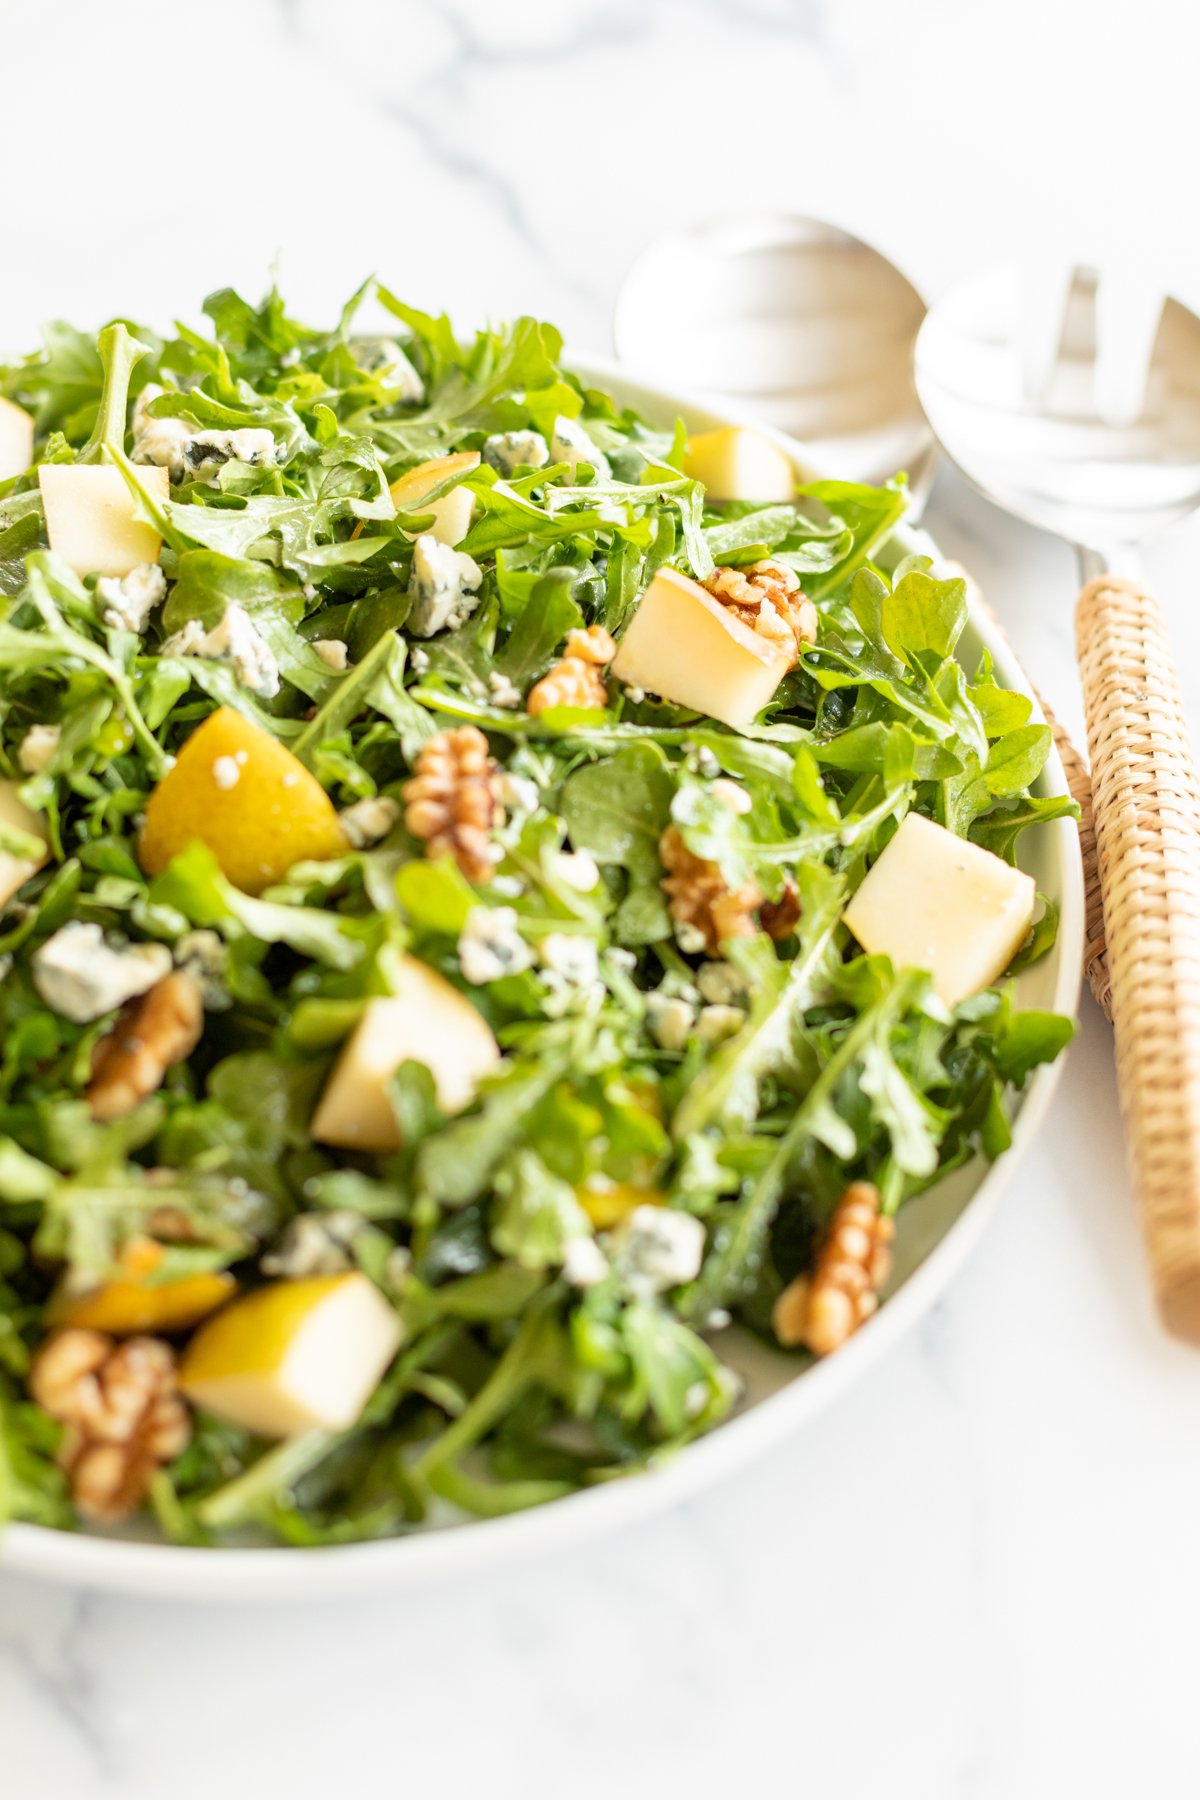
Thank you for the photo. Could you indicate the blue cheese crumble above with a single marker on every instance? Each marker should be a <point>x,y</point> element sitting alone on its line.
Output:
<point>38,748</point>
<point>570,974</point>
<point>508,451</point>
<point>333,653</point>
<point>177,446</point>
<point>128,600</point>
<point>656,1249</point>
<point>387,361</point>
<point>443,587</point>
<point>491,946</point>
<point>572,445</point>
<point>368,821</point>
<point>233,639</point>
<point>82,977</point>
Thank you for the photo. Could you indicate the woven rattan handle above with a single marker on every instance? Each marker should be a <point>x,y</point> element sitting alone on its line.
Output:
<point>1147,815</point>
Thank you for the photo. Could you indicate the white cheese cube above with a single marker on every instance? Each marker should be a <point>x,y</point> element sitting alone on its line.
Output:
<point>16,440</point>
<point>686,646</point>
<point>16,870</point>
<point>935,901</point>
<point>736,464</point>
<point>428,1022</point>
<point>451,511</point>
<point>90,516</point>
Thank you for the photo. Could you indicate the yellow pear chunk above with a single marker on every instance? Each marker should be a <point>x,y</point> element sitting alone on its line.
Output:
<point>936,901</point>
<point>737,464</point>
<point>129,1303</point>
<point>293,1356</point>
<point>16,870</point>
<point>90,516</point>
<point>610,1206</point>
<point>686,646</point>
<point>16,440</point>
<point>452,512</point>
<point>237,789</point>
<point>428,1022</point>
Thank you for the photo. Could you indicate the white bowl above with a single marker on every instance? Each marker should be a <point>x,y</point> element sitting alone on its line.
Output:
<point>935,1235</point>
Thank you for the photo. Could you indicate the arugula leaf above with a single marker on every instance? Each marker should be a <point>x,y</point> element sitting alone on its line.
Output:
<point>618,809</point>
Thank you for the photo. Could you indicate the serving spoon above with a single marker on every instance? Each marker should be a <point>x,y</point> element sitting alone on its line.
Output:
<point>795,322</point>
<point>1075,404</point>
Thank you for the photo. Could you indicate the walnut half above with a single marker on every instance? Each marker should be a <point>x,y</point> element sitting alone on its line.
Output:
<point>766,597</point>
<point>451,801</point>
<point>823,1309</point>
<point>575,680</point>
<point>123,1415</point>
<point>159,1028</point>
<point>699,897</point>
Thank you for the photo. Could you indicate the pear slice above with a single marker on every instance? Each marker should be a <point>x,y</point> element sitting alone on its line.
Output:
<point>239,790</point>
<point>737,464</point>
<point>293,1356</point>
<point>452,511</point>
<point>428,1022</point>
<point>134,1300</point>
<point>16,440</point>
<point>90,516</point>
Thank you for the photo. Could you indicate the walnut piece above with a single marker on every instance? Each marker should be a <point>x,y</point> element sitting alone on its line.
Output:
<point>576,680</point>
<point>451,801</point>
<point>823,1309</point>
<point>699,896</point>
<point>123,1415</point>
<point>766,597</point>
<point>151,1033</point>
<point>781,917</point>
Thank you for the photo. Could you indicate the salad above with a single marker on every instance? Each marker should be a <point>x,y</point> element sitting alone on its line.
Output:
<point>498,898</point>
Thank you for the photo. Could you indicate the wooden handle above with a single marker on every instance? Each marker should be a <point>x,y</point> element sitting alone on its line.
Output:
<point>1146,805</point>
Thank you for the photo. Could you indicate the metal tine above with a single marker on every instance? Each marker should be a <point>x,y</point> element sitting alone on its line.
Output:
<point>1129,311</point>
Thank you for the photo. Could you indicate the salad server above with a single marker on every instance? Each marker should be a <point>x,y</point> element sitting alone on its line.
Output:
<point>1084,419</point>
<point>798,322</point>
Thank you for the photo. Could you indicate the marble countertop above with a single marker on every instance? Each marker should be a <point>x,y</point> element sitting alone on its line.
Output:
<point>972,1577</point>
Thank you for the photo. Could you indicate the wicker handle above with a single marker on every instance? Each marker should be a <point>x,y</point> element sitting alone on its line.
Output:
<point>1079,781</point>
<point>1147,816</point>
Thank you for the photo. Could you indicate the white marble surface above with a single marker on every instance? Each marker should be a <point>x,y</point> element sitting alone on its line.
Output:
<point>975,1576</point>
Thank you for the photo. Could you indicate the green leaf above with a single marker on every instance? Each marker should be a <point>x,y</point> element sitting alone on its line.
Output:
<point>678,1373</point>
<point>913,1126</point>
<point>548,615</point>
<point>456,1166</point>
<point>194,885</point>
<point>536,1215</point>
<point>921,614</point>
<point>435,897</point>
<point>999,831</point>
<point>1016,760</point>
<point>618,809</point>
